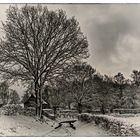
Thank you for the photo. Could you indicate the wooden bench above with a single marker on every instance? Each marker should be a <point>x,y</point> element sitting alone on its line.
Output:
<point>70,122</point>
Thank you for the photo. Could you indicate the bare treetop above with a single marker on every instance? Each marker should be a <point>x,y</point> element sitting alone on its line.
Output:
<point>38,44</point>
<point>39,40</point>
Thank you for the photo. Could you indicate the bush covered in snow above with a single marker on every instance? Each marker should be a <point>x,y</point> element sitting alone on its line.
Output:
<point>85,117</point>
<point>118,127</point>
<point>125,111</point>
<point>125,115</point>
<point>11,109</point>
<point>30,111</point>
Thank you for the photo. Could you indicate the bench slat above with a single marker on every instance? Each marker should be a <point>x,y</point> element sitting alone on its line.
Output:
<point>70,121</point>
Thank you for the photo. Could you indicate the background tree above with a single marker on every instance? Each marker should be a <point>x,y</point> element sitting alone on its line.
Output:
<point>4,92</point>
<point>135,89</point>
<point>78,82</point>
<point>14,97</point>
<point>120,82</point>
<point>56,99</point>
<point>45,94</point>
<point>136,77</point>
<point>38,44</point>
<point>104,96</point>
<point>25,97</point>
<point>63,84</point>
<point>29,91</point>
<point>130,98</point>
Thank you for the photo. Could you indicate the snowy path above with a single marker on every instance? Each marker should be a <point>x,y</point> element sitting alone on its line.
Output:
<point>27,126</point>
<point>82,130</point>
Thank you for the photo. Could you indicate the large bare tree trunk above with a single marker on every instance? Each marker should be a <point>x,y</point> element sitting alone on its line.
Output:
<point>39,48</point>
<point>41,106</point>
<point>37,99</point>
<point>38,92</point>
<point>39,102</point>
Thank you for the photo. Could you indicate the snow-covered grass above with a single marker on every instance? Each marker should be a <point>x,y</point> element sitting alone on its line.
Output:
<point>128,125</point>
<point>122,126</point>
<point>131,120</point>
<point>22,126</point>
<point>82,130</point>
<point>28,126</point>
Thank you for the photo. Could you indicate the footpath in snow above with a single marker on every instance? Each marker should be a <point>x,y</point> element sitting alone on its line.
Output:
<point>28,126</point>
<point>82,130</point>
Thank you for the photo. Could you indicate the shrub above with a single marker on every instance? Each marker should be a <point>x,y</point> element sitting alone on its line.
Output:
<point>11,109</point>
<point>30,111</point>
<point>126,111</point>
<point>86,117</point>
<point>118,127</point>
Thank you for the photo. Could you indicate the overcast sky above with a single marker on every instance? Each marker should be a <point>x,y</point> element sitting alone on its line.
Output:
<point>113,33</point>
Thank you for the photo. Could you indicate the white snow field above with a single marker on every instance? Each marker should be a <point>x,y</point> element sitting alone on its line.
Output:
<point>28,126</point>
<point>131,121</point>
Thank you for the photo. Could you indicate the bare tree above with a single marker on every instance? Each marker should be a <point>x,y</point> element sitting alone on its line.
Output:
<point>56,99</point>
<point>38,44</point>
<point>78,83</point>
<point>103,92</point>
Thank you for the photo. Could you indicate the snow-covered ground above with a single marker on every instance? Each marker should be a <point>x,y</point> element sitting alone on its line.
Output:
<point>82,130</point>
<point>28,126</point>
<point>132,120</point>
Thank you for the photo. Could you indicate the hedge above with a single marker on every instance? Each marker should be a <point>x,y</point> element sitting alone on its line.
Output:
<point>125,111</point>
<point>117,127</point>
<point>30,111</point>
<point>85,117</point>
<point>11,109</point>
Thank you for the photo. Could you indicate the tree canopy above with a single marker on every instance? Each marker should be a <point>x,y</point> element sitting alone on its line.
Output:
<point>38,44</point>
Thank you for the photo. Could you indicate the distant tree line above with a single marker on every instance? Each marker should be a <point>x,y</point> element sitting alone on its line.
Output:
<point>83,88</point>
<point>7,95</point>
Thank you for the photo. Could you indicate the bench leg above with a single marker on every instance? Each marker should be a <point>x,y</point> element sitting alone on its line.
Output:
<point>58,126</point>
<point>72,126</point>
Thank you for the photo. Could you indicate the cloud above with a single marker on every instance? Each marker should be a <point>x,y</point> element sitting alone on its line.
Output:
<point>113,33</point>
